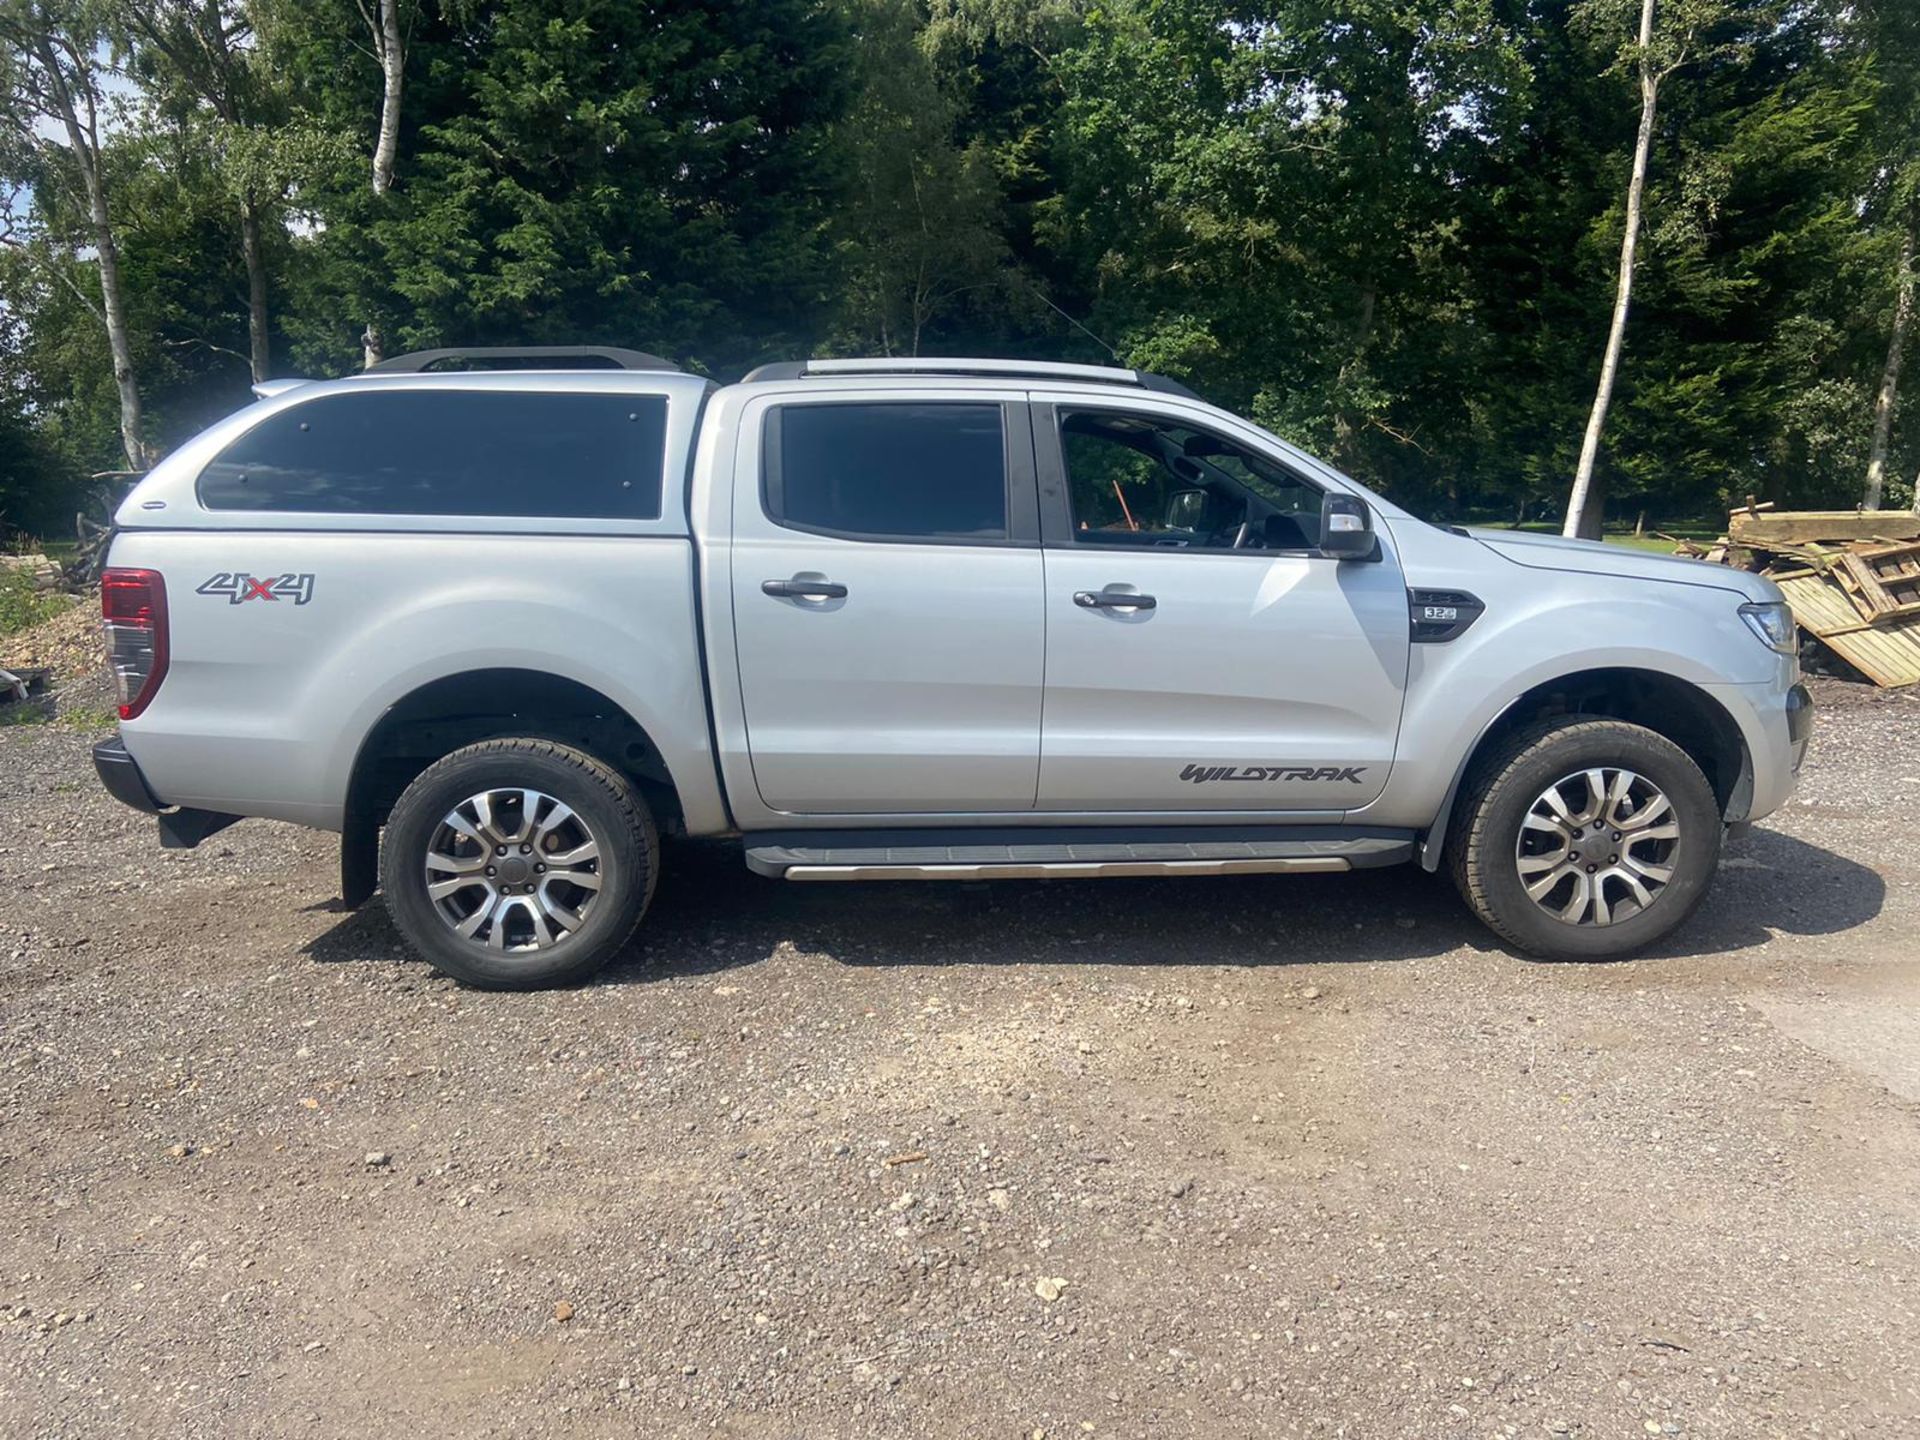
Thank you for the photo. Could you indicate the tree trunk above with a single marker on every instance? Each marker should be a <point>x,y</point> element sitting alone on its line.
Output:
<point>1583,506</point>
<point>390,45</point>
<point>113,301</point>
<point>393,60</point>
<point>1890,376</point>
<point>258,357</point>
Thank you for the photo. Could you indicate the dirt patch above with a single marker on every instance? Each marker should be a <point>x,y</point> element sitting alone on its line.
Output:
<point>1311,1155</point>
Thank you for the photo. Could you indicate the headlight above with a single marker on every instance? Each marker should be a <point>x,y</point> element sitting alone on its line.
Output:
<point>1773,623</point>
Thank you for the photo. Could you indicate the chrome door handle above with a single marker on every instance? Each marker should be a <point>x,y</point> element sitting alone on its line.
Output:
<point>1112,600</point>
<point>803,589</point>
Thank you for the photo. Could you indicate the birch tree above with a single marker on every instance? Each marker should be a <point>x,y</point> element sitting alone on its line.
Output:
<point>199,57</point>
<point>1667,39</point>
<point>1883,399</point>
<point>388,34</point>
<point>52,104</point>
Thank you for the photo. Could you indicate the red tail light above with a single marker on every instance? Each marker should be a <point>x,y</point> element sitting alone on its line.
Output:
<point>133,607</point>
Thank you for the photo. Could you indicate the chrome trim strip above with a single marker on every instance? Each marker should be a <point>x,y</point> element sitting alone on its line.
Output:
<point>1070,870</point>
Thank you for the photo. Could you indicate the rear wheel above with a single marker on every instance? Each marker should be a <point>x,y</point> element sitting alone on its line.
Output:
<point>516,864</point>
<point>1585,839</point>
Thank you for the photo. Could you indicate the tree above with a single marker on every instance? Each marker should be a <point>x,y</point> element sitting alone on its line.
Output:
<point>202,65</point>
<point>1889,31</point>
<point>653,175</point>
<point>920,225</point>
<point>1658,52</point>
<point>1884,396</point>
<point>317,50</point>
<point>51,74</point>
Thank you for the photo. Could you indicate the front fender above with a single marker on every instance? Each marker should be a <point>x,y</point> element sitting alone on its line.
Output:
<point>1532,635</point>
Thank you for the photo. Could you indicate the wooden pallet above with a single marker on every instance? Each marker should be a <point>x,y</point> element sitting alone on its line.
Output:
<point>1884,581</point>
<point>1886,651</point>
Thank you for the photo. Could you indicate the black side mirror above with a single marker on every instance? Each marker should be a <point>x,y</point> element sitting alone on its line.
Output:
<point>1187,509</point>
<point>1346,528</point>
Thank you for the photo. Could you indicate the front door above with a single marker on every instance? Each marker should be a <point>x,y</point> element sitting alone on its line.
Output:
<point>888,607</point>
<point>1200,654</point>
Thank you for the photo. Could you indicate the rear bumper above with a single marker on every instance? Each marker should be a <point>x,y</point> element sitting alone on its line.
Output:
<point>120,773</point>
<point>180,828</point>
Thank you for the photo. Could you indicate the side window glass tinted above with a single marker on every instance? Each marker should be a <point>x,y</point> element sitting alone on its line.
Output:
<point>888,470</point>
<point>450,452</point>
<point>1149,481</point>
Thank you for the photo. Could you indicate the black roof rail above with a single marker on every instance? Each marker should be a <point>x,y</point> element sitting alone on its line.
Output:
<point>420,360</point>
<point>979,368</point>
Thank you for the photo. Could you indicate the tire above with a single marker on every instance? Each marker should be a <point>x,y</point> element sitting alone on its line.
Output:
<point>522,942</point>
<point>1492,839</point>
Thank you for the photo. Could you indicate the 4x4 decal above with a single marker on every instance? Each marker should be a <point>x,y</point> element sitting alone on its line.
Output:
<point>1201,774</point>
<point>240,587</point>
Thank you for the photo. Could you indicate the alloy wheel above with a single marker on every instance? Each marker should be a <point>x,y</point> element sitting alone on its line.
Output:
<point>513,870</point>
<point>1597,847</point>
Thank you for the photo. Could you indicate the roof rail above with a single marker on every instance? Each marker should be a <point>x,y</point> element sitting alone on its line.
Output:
<point>1010,369</point>
<point>421,360</point>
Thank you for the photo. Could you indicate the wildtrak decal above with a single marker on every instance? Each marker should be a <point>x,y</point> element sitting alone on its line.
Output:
<point>1202,774</point>
<point>239,587</point>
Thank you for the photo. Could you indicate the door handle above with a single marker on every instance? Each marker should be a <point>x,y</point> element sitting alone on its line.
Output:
<point>803,589</point>
<point>1112,600</point>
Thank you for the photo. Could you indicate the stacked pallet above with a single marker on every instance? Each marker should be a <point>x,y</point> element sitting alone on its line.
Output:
<point>1851,576</point>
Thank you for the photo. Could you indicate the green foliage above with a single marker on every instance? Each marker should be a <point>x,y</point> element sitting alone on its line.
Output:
<point>21,605</point>
<point>1385,228</point>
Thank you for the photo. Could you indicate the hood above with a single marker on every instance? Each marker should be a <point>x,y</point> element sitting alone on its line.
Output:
<point>1593,557</point>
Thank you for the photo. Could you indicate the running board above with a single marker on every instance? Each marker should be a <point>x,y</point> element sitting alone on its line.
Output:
<point>1047,854</point>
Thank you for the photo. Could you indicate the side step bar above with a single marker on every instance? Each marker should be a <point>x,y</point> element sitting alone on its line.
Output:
<point>1069,853</point>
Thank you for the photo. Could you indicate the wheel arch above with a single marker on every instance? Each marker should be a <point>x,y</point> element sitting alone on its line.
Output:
<point>1677,709</point>
<point>442,715</point>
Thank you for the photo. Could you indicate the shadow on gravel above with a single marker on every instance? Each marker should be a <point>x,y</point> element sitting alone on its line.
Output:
<point>710,915</point>
<point>1770,882</point>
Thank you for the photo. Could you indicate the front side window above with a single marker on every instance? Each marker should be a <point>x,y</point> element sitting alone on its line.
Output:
<point>450,452</point>
<point>888,470</point>
<point>1148,481</point>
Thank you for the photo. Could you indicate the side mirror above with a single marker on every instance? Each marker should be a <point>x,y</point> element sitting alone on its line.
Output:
<point>1346,528</point>
<point>1187,509</point>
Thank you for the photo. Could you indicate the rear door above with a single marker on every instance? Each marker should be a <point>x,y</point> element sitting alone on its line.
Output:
<point>888,604</point>
<point>1201,655</point>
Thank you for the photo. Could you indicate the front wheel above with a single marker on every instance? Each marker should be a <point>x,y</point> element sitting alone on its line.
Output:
<point>517,864</point>
<point>1585,839</point>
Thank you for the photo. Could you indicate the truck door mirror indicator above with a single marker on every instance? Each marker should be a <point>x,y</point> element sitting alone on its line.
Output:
<point>1346,528</point>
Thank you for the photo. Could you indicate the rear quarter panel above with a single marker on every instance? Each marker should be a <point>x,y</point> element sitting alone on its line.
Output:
<point>266,702</point>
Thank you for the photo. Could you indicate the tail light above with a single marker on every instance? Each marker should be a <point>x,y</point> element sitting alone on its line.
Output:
<point>133,607</point>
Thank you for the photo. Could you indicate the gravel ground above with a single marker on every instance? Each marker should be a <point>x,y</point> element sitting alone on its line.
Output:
<point>1291,1156</point>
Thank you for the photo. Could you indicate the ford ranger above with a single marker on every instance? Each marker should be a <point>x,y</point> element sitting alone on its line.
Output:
<point>503,629</point>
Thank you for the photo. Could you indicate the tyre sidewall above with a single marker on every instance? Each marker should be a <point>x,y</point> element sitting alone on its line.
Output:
<point>1557,756</point>
<point>627,865</point>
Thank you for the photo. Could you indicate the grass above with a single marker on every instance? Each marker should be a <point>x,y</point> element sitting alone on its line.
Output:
<point>21,605</point>
<point>35,712</point>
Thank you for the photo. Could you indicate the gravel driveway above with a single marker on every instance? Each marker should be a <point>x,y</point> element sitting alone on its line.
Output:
<point>1266,1156</point>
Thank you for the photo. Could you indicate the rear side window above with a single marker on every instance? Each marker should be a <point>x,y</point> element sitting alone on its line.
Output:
<point>889,471</point>
<point>450,452</point>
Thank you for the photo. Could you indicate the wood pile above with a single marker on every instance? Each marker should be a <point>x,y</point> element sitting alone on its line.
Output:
<point>1851,576</point>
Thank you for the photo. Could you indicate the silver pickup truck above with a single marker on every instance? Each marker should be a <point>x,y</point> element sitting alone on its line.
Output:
<point>503,629</point>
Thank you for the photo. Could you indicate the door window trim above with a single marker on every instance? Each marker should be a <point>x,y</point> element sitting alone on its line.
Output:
<point>1056,500</point>
<point>1022,493</point>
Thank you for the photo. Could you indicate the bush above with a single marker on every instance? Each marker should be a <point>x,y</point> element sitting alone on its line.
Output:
<point>21,604</point>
